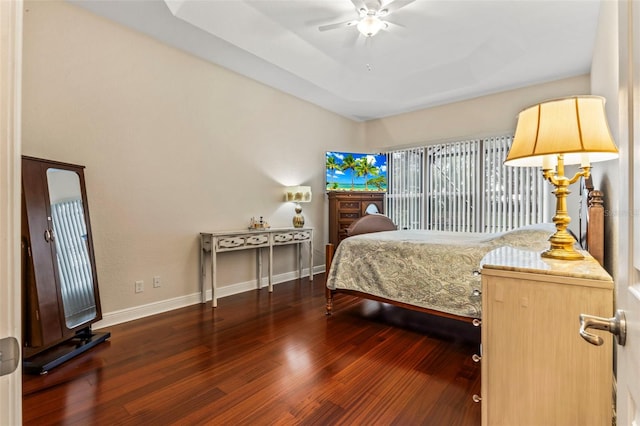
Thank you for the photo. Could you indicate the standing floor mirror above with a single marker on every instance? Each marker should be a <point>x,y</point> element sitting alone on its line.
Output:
<point>60,289</point>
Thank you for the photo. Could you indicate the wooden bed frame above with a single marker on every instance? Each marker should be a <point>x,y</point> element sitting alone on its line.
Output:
<point>594,239</point>
<point>595,222</point>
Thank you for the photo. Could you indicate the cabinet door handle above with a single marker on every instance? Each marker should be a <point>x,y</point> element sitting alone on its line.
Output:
<point>616,326</point>
<point>48,236</point>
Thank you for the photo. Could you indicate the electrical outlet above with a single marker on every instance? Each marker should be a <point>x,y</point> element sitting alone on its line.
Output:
<point>139,286</point>
<point>156,281</point>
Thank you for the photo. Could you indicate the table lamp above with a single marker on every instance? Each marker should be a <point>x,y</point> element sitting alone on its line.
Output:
<point>559,132</point>
<point>297,194</point>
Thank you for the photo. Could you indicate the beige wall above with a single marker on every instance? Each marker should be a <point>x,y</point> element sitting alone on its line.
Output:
<point>489,115</point>
<point>172,146</point>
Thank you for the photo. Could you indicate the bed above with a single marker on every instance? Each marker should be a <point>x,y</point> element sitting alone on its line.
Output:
<point>429,271</point>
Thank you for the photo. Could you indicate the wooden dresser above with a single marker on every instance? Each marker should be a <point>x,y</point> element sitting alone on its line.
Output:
<point>345,207</point>
<point>536,368</point>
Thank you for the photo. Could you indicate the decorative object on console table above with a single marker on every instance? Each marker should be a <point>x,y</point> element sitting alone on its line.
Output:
<point>536,369</point>
<point>298,194</point>
<point>346,206</point>
<point>561,132</point>
<point>258,224</point>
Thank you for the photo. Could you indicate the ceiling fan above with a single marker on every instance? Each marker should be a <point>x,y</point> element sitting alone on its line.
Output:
<point>371,14</point>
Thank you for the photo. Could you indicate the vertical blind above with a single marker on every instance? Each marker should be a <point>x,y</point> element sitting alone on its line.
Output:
<point>405,174</point>
<point>463,187</point>
<point>453,186</point>
<point>514,196</point>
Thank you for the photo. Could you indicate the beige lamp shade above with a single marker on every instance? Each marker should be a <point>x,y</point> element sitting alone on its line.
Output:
<point>297,194</point>
<point>575,127</point>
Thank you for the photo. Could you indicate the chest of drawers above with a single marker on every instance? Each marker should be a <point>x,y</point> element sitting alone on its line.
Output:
<point>346,207</point>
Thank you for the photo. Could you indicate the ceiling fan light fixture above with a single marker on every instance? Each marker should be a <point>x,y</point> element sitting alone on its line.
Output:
<point>370,25</point>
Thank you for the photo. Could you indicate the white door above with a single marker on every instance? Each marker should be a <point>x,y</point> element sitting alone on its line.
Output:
<point>628,268</point>
<point>10,89</point>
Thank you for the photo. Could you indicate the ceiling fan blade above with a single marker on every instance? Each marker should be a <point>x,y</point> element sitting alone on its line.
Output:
<point>393,6</point>
<point>359,5</point>
<point>337,25</point>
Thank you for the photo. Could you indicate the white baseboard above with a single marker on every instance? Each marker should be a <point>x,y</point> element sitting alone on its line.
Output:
<point>137,312</point>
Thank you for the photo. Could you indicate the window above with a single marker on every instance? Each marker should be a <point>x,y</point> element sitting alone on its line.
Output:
<point>454,186</point>
<point>513,196</point>
<point>463,187</point>
<point>405,188</point>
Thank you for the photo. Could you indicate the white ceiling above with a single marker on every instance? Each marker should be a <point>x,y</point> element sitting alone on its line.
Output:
<point>444,50</point>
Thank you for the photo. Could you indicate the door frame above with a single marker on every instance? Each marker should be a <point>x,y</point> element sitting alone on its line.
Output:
<point>628,259</point>
<point>10,147</point>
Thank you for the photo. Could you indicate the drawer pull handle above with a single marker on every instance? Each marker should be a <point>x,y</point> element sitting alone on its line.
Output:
<point>259,239</point>
<point>230,242</point>
<point>283,238</point>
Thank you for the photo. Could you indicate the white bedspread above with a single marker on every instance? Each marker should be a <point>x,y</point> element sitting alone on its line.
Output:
<point>430,269</point>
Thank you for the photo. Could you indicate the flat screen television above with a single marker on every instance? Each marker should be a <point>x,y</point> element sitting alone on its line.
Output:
<point>350,171</point>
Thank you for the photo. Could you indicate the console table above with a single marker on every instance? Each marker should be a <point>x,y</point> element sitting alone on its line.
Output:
<point>224,241</point>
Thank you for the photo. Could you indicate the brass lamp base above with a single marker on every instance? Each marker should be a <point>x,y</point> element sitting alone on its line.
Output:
<point>562,247</point>
<point>562,243</point>
<point>298,219</point>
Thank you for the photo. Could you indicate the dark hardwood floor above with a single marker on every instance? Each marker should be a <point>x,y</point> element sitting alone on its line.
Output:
<point>275,359</point>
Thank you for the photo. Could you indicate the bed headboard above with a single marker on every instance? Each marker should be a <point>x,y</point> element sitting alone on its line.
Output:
<point>595,222</point>
<point>371,223</point>
<point>591,220</point>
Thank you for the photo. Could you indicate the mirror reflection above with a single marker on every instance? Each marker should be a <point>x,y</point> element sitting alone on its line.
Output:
<point>72,253</point>
<point>372,209</point>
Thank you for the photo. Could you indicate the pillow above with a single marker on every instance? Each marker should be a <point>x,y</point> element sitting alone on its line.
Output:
<point>371,223</point>
<point>533,237</point>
